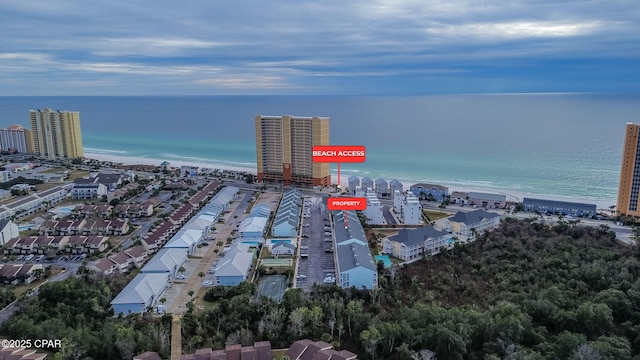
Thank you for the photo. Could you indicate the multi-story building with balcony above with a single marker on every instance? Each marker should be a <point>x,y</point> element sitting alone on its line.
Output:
<point>284,149</point>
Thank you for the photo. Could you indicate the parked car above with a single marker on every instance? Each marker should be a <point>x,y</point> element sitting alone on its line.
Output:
<point>301,276</point>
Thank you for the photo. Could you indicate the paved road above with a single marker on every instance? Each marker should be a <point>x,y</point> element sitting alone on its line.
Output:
<point>9,310</point>
<point>318,261</point>
<point>223,231</point>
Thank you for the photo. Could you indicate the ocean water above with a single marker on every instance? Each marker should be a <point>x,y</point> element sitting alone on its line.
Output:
<point>555,145</point>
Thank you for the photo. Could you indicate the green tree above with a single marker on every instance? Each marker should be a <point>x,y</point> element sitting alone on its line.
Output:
<point>370,339</point>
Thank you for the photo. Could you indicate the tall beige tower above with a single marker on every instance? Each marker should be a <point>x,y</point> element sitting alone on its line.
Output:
<point>629,185</point>
<point>56,134</point>
<point>284,149</point>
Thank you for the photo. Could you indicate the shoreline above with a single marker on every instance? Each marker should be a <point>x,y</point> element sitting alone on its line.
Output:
<point>601,204</point>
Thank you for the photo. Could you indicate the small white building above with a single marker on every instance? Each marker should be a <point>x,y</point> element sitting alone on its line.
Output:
<point>8,230</point>
<point>354,182</point>
<point>283,248</point>
<point>382,187</point>
<point>394,185</point>
<point>373,212</point>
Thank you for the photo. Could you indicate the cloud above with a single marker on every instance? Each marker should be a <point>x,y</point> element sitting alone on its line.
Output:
<point>515,30</point>
<point>313,46</point>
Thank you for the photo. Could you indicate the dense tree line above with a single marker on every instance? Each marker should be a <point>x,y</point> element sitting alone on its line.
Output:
<point>524,291</point>
<point>6,295</point>
<point>19,180</point>
<point>77,311</point>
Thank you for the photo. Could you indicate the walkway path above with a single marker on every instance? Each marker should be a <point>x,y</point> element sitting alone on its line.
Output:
<point>176,338</point>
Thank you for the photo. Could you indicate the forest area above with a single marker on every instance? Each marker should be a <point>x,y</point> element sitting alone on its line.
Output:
<point>524,291</point>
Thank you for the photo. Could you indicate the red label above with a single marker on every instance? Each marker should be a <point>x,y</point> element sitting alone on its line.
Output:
<point>339,153</point>
<point>346,203</point>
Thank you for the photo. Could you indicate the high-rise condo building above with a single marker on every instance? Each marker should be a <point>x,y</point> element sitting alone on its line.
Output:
<point>16,138</point>
<point>629,186</point>
<point>284,149</point>
<point>56,134</point>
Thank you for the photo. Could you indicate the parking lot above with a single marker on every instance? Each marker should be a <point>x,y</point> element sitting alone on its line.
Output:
<point>315,259</point>
<point>60,259</point>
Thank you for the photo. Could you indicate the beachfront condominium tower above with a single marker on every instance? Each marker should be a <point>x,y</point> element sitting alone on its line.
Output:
<point>56,134</point>
<point>15,138</point>
<point>629,186</point>
<point>284,149</point>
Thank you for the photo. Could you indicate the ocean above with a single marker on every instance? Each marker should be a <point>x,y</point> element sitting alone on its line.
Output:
<point>561,146</point>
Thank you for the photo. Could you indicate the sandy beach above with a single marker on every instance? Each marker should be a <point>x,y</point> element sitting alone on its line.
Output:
<point>344,179</point>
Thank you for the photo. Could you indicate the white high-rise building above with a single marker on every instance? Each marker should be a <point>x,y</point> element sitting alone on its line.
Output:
<point>16,138</point>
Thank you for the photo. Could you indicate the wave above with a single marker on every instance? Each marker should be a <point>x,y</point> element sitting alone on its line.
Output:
<point>104,151</point>
<point>205,160</point>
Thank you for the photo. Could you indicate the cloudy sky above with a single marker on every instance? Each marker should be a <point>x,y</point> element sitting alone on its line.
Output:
<point>386,47</point>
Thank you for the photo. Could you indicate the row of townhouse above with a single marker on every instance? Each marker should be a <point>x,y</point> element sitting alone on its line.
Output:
<point>14,274</point>
<point>304,349</point>
<point>101,210</point>
<point>124,191</point>
<point>21,353</point>
<point>380,185</point>
<point>354,263</point>
<point>35,203</point>
<point>253,227</point>
<point>234,267</point>
<point>120,262</point>
<point>105,211</point>
<point>45,245</point>
<point>479,199</point>
<point>135,210</point>
<point>287,217</point>
<point>412,245</point>
<point>115,227</point>
<point>147,288</point>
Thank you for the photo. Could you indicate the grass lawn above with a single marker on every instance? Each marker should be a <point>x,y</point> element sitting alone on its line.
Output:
<point>21,289</point>
<point>435,215</point>
<point>74,174</point>
<point>201,304</point>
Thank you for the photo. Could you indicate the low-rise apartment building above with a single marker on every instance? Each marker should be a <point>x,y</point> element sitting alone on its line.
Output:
<point>412,245</point>
<point>467,224</point>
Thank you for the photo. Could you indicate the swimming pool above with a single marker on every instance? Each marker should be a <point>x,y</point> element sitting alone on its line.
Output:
<point>386,261</point>
<point>63,210</point>
<point>25,227</point>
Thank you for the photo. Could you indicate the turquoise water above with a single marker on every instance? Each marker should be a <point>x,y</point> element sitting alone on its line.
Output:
<point>560,145</point>
<point>274,241</point>
<point>251,243</point>
<point>386,261</point>
<point>26,227</point>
